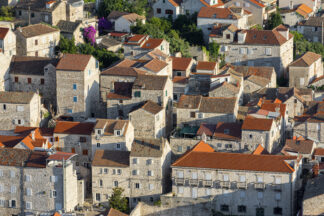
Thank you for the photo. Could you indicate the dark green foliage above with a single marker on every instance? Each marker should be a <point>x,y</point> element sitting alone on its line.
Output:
<point>6,13</point>
<point>136,6</point>
<point>213,51</point>
<point>118,201</point>
<point>105,58</point>
<point>274,21</point>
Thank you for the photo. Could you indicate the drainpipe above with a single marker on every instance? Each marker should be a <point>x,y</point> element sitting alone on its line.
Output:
<point>64,186</point>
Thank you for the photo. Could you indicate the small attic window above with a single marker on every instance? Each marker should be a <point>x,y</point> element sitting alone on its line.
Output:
<point>226,131</point>
<point>117,133</point>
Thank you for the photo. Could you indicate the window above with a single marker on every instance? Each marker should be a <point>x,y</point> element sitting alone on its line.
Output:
<point>224,208</point>
<point>180,190</point>
<point>137,185</point>
<point>98,145</point>
<point>150,173</point>
<point>225,177</point>
<point>75,99</point>
<point>259,179</point>
<point>116,183</point>
<point>32,14</point>
<point>251,136</point>
<point>243,50</point>
<point>278,196</point>
<point>100,183</point>
<point>137,94</point>
<point>241,208</point>
<point>19,13</point>
<point>20,108</point>
<point>228,36</point>
<point>29,80</point>
<point>98,196</point>
<point>207,191</point>
<point>192,115</point>
<point>36,53</point>
<point>42,81</point>
<point>114,172</point>
<point>2,202</point>
<point>29,192</point>
<point>200,115</point>
<point>85,152</point>
<point>170,12</point>
<point>53,179</point>
<point>69,110</point>
<point>166,92</point>
<point>13,189</point>
<point>16,79</point>
<point>260,195</point>
<point>148,161</point>
<point>74,86</point>
<point>219,145</point>
<point>134,160</point>
<point>277,211</point>
<point>36,42</point>
<point>12,174</point>
<point>151,186</point>
<point>158,10</point>
<point>228,146</point>
<point>83,139</point>
<point>119,172</point>
<point>97,64</point>
<point>72,150</point>
<point>179,148</point>
<point>4,106</point>
<point>28,178</point>
<point>242,178</point>
<point>12,203</point>
<point>134,172</point>
<point>105,170</point>
<point>89,72</point>
<point>268,51</point>
<point>180,174</point>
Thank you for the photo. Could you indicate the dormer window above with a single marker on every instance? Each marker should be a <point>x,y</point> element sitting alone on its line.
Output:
<point>117,132</point>
<point>99,132</point>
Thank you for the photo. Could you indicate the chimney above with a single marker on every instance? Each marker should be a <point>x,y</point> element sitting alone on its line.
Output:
<point>241,37</point>
<point>284,32</point>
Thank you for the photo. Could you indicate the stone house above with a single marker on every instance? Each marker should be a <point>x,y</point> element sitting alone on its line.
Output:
<point>266,132</point>
<point>34,74</point>
<point>71,30</point>
<point>111,134</point>
<point>300,146</point>
<point>138,45</point>
<point>109,43</point>
<point>142,172</point>
<point>234,183</point>
<point>257,9</point>
<point>7,42</point>
<point>313,5</point>
<point>205,67</point>
<point>37,183</point>
<point>77,81</point>
<point>180,87</point>
<point>37,40</point>
<point>192,6</point>
<point>208,16</point>
<point>126,21</point>
<point>4,72</point>
<point>38,11</point>
<point>319,154</point>
<point>193,110</point>
<point>169,8</point>
<point>260,48</point>
<point>228,90</point>
<point>19,108</point>
<point>181,66</point>
<point>312,29</point>
<point>305,70</point>
<point>149,120</point>
<point>292,17</point>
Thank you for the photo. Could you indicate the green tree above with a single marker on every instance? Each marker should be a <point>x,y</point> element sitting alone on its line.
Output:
<point>274,21</point>
<point>118,201</point>
<point>136,6</point>
<point>213,50</point>
<point>257,27</point>
<point>6,13</point>
<point>67,46</point>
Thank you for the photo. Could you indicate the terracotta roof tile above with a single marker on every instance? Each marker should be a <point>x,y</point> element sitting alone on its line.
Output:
<point>181,63</point>
<point>116,14</point>
<point>152,107</point>
<point>132,17</point>
<point>150,82</point>
<point>202,146</point>
<point>175,3</point>
<point>22,158</point>
<point>16,97</point>
<point>260,81</point>
<point>114,212</point>
<point>155,65</point>
<point>189,102</point>
<point>203,65</point>
<point>147,147</point>
<point>10,141</point>
<point>228,131</point>
<point>73,62</point>
<point>257,3</point>
<point>235,161</point>
<point>152,43</point>
<point>306,60</point>
<point>36,30</point>
<point>304,10</point>
<point>273,106</point>
<point>180,80</point>
<point>217,105</point>
<point>60,156</point>
<point>217,13</point>
<point>319,151</point>
<point>298,146</point>
<point>207,129</point>
<point>123,71</point>
<point>3,32</point>
<point>110,158</point>
<point>66,127</point>
<point>260,150</point>
<point>258,124</point>
<point>110,125</point>
<point>219,3</point>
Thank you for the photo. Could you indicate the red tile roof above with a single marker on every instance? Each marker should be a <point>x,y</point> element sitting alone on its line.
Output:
<point>180,79</point>
<point>66,127</point>
<point>152,43</point>
<point>175,3</point>
<point>260,150</point>
<point>114,212</point>
<point>306,60</point>
<point>273,106</point>
<point>73,62</point>
<point>319,151</point>
<point>180,63</point>
<point>3,32</point>
<point>235,161</point>
<point>257,3</point>
<point>216,13</point>
<point>203,65</point>
<point>219,3</point>
<point>59,156</point>
<point>258,124</point>
<point>117,34</point>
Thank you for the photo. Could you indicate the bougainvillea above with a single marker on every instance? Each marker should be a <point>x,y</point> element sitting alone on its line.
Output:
<point>103,24</point>
<point>89,34</point>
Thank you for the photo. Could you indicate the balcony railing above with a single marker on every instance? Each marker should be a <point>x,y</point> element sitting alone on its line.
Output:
<point>179,181</point>
<point>208,183</point>
<point>241,185</point>
<point>259,186</point>
<point>225,184</point>
<point>276,187</point>
<point>193,182</point>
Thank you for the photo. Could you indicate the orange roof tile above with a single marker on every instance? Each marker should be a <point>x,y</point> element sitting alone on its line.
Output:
<point>152,43</point>
<point>203,65</point>
<point>319,151</point>
<point>258,124</point>
<point>257,3</point>
<point>304,10</point>
<point>202,147</point>
<point>260,150</point>
<point>114,212</point>
<point>3,32</point>
<point>273,106</point>
<point>217,13</point>
<point>73,62</point>
<point>180,63</point>
<point>67,127</point>
<point>180,79</point>
<point>220,3</point>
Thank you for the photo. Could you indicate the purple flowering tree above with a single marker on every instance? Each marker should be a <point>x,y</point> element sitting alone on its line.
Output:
<point>104,24</point>
<point>89,34</point>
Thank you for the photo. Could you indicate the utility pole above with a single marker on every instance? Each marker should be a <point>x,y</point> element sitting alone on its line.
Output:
<point>28,15</point>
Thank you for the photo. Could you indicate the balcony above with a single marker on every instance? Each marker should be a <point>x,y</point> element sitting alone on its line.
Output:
<point>208,183</point>
<point>225,184</point>
<point>276,187</point>
<point>259,186</point>
<point>193,182</point>
<point>241,185</point>
<point>179,181</point>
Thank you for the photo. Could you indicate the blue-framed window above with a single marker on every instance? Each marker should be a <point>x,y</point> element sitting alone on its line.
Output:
<point>74,86</point>
<point>75,99</point>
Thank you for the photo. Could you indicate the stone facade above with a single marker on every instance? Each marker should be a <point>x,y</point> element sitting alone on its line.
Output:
<point>312,29</point>
<point>310,130</point>
<point>163,8</point>
<point>4,72</point>
<point>18,112</point>
<point>39,45</point>
<point>8,43</point>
